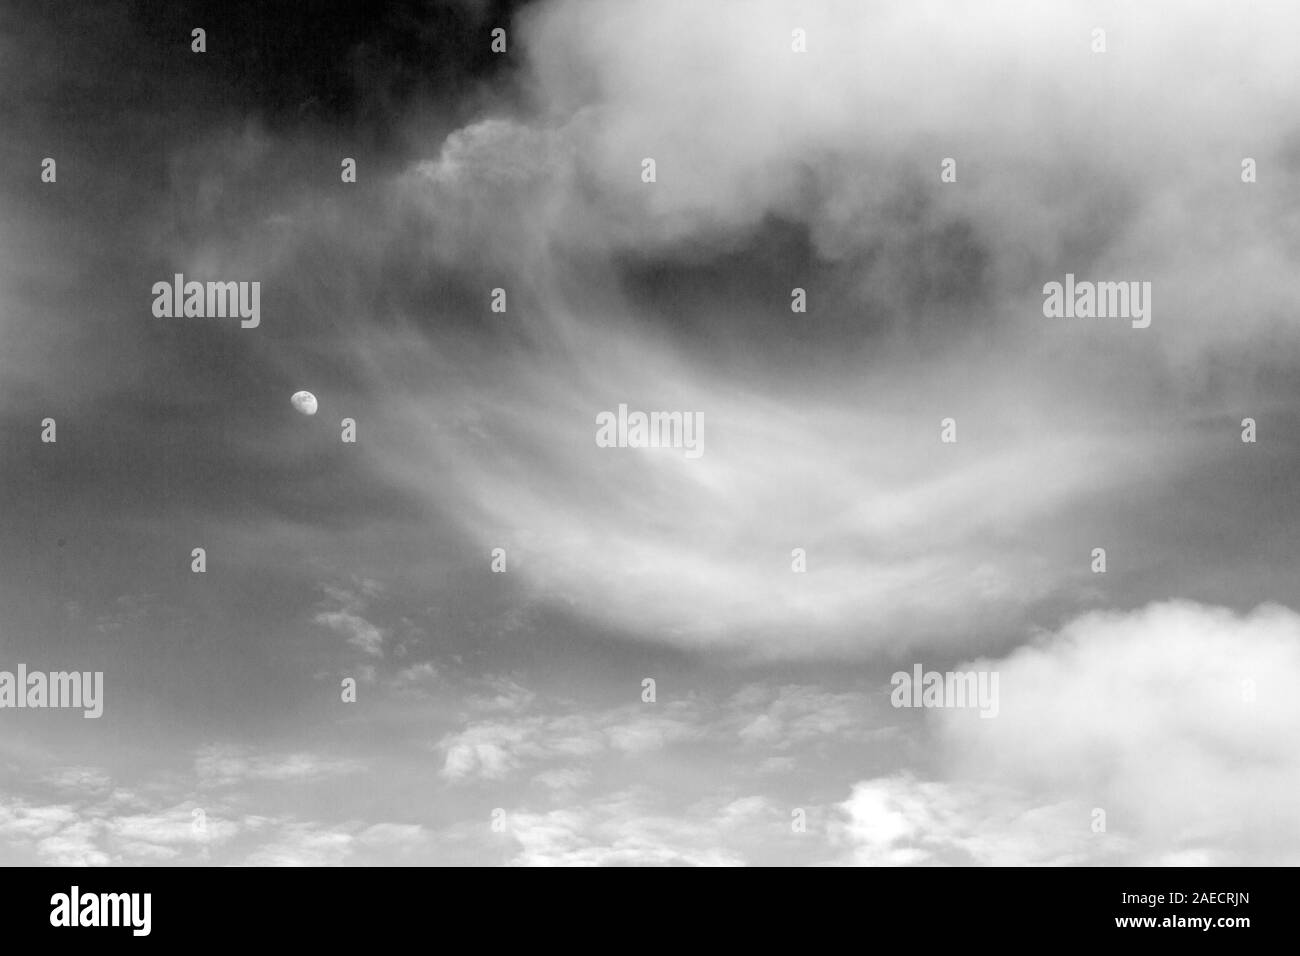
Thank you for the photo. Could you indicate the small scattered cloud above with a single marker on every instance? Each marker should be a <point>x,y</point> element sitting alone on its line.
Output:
<point>224,766</point>
<point>342,613</point>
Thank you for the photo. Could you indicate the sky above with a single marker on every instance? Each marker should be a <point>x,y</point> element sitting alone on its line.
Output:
<point>500,717</point>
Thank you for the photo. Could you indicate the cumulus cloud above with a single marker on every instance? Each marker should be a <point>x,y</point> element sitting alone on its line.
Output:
<point>1173,720</point>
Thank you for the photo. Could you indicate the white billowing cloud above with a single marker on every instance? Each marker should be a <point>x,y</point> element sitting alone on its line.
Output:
<point>1151,133</point>
<point>901,821</point>
<point>1177,720</point>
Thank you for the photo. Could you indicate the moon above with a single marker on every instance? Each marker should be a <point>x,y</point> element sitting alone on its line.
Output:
<point>305,402</point>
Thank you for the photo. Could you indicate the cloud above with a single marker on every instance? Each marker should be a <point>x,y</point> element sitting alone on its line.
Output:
<point>164,833</point>
<point>98,831</point>
<point>1174,720</point>
<point>755,719</point>
<point>620,830</point>
<point>19,819</point>
<point>94,832</point>
<point>779,169</point>
<point>494,749</point>
<point>80,780</point>
<point>345,617</point>
<point>74,845</point>
<point>392,834</point>
<point>791,716</point>
<point>835,138</point>
<point>503,694</point>
<point>929,305</point>
<point>901,821</point>
<point>417,675</point>
<point>228,765</point>
<point>563,780</point>
<point>304,844</point>
<point>776,170</point>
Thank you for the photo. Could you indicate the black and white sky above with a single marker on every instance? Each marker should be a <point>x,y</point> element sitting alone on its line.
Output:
<point>1162,692</point>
